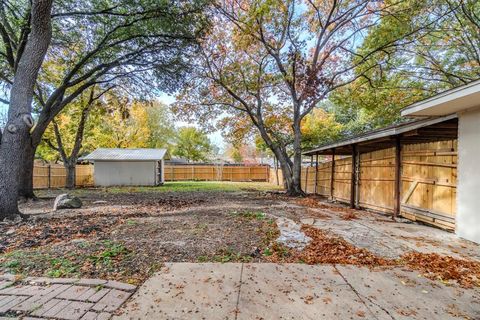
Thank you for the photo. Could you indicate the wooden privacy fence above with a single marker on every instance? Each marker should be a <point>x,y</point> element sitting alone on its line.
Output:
<point>55,176</point>
<point>427,188</point>
<point>217,173</point>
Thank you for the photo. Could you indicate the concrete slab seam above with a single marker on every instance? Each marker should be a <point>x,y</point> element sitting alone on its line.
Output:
<point>362,297</point>
<point>239,290</point>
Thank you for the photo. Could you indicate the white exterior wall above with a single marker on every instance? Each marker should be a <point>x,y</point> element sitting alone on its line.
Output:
<point>468,182</point>
<point>163,171</point>
<point>125,173</point>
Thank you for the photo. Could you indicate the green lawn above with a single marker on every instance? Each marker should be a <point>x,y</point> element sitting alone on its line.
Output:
<point>189,186</point>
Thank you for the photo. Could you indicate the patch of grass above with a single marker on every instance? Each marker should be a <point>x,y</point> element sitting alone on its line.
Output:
<point>111,251</point>
<point>224,256</point>
<point>203,259</point>
<point>190,186</point>
<point>131,222</point>
<point>250,215</point>
<point>200,228</point>
<point>62,267</point>
<point>20,261</point>
<point>267,252</point>
<point>229,255</point>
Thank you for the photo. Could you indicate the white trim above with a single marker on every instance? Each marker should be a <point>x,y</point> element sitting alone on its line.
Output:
<point>454,100</point>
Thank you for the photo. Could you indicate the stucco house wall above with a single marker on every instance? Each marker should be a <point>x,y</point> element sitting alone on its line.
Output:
<point>468,182</point>
<point>125,173</point>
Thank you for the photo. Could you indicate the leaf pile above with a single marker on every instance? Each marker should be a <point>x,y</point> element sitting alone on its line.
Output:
<point>325,248</point>
<point>312,202</point>
<point>445,268</point>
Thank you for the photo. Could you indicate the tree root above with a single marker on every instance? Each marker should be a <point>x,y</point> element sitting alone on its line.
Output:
<point>16,217</point>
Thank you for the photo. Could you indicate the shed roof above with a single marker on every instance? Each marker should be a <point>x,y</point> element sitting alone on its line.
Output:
<point>430,129</point>
<point>119,154</point>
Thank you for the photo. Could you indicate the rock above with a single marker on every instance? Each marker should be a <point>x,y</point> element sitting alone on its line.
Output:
<point>291,234</point>
<point>66,201</point>
<point>99,202</point>
<point>256,253</point>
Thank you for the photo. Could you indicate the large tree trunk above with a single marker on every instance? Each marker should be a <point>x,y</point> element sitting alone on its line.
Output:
<point>291,170</point>
<point>296,189</point>
<point>25,191</point>
<point>291,176</point>
<point>16,137</point>
<point>70,168</point>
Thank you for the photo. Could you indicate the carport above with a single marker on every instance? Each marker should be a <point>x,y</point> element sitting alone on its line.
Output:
<point>405,170</point>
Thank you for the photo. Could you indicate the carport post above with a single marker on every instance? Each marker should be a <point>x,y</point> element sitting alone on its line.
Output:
<point>353,179</point>
<point>398,177</point>
<point>332,175</point>
<point>316,173</point>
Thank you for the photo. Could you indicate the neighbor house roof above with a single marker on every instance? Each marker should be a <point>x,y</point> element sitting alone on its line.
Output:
<point>436,128</point>
<point>448,102</point>
<point>119,154</point>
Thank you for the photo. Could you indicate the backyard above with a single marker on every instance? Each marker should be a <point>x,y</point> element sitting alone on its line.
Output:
<point>131,234</point>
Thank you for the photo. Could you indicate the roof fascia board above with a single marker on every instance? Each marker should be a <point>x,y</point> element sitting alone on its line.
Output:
<point>383,133</point>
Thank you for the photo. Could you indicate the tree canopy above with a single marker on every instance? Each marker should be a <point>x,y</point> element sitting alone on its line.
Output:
<point>192,144</point>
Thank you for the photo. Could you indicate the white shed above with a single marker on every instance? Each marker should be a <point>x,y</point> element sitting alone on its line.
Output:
<point>465,102</point>
<point>128,167</point>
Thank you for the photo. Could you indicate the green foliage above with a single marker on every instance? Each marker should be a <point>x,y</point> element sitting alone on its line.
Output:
<point>319,127</point>
<point>230,255</point>
<point>203,186</point>
<point>113,122</point>
<point>192,144</point>
<point>440,52</point>
<point>250,215</point>
<point>236,155</point>
<point>62,267</point>
<point>111,251</point>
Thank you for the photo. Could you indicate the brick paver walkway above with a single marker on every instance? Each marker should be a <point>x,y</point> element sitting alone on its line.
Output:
<point>61,298</point>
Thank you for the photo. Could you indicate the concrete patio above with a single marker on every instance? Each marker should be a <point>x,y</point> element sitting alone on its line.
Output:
<point>295,291</point>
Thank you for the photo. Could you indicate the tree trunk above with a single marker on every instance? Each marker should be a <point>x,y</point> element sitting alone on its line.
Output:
<point>291,181</point>
<point>70,167</point>
<point>296,189</point>
<point>25,191</point>
<point>16,137</point>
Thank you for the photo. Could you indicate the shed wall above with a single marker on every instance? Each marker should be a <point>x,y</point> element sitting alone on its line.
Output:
<point>125,173</point>
<point>468,199</point>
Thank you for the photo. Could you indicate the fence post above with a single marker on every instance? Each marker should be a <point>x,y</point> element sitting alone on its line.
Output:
<point>332,176</point>
<point>306,179</point>
<point>49,171</point>
<point>398,177</point>
<point>353,177</point>
<point>193,172</point>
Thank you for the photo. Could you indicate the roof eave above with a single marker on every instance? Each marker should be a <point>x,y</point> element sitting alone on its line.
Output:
<point>451,101</point>
<point>380,134</point>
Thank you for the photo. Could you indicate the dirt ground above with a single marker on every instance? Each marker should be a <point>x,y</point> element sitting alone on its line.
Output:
<point>127,234</point>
